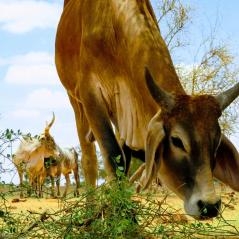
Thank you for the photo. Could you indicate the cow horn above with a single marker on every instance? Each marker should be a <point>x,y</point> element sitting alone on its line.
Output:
<point>162,97</point>
<point>48,126</point>
<point>225,98</point>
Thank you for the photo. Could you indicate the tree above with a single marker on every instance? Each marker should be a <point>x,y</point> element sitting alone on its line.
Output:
<point>212,67</point>
<point>7,138</point>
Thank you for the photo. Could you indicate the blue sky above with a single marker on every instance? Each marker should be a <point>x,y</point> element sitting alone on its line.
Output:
<point>30,89</point>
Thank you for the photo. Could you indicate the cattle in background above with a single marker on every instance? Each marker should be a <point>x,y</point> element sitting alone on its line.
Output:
<point>65,163</point>
<point>29,157</point>
<point>116,69</point>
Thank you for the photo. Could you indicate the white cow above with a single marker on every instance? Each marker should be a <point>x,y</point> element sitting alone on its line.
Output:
<point>29,157</point>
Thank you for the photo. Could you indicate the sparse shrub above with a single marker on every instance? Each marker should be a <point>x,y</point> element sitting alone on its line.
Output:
<point>112,210</point>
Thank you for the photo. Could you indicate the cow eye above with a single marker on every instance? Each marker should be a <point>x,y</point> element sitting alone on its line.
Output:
<point>177,142</point>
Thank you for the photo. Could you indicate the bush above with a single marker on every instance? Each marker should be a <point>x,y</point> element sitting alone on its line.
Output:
<point>112,210</point>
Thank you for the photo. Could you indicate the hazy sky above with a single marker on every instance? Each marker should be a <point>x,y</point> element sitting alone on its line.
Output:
<point>29,87</point>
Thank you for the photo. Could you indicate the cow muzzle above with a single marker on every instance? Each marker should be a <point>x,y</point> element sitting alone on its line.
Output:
<point>208,210</point>
<point>202,209</point>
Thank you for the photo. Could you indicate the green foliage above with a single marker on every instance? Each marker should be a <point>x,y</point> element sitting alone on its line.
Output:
<point>7,138</point>
<point>109,215</point>
<point>120,169</point>
<point>106,212</point>
<point>110,211</point>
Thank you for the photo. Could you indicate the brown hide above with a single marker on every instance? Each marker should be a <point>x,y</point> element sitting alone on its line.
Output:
<point>65,163</point>
<point>117,70</point>
<point>107,59</point>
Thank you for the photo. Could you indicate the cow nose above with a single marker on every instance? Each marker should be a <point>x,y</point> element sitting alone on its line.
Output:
<point>208,210</point>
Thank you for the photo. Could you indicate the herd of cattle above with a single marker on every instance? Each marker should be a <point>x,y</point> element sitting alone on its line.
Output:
<point>40,157</point>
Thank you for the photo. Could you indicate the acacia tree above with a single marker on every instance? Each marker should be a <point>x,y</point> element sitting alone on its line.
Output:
<point>212,68</point>
<point>7,138</point>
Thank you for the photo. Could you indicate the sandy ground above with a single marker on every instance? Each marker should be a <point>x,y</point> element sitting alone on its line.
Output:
<point>18,205</point>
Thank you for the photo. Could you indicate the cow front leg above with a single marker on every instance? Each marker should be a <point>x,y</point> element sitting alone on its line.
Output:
<point>88,159</point>
<point>97,115</point>
<point>58,178</point>
<point>68,182</point>
<point>20,173</point>
<point>52,186</point>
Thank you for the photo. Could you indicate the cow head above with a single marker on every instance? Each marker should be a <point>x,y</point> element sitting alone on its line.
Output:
<point>47,142</point>
<point>183,144</point>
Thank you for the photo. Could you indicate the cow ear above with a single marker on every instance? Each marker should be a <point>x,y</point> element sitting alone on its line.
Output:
<point>227,164</point>
<point>155,136</point>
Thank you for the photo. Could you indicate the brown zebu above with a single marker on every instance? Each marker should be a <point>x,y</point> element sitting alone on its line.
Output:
<point>65,163</point>
<point>116,69</point>
<point>29,158</point>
